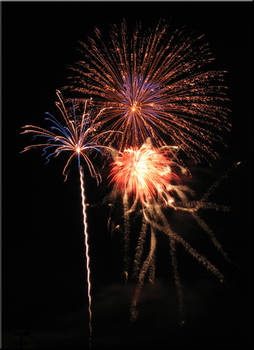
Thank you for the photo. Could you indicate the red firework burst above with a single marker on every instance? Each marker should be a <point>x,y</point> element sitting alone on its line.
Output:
<point>144,172</point>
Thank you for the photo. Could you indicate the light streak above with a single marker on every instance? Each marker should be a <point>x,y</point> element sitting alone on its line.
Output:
<point>82,188</point>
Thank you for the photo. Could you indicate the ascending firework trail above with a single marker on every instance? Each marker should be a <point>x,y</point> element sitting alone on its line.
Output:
<point>78,137</point>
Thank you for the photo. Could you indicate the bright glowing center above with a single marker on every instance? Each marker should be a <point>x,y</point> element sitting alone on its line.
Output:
<point>133,108</point>
<point>77,149</point>
<point>145,172</point>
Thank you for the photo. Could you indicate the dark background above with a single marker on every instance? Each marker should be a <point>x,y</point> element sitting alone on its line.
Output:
<point>44,278</point>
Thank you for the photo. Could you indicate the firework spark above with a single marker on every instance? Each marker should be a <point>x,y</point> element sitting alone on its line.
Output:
<point>151,178</point>
<point>77,136</point>
<point>155,84</point>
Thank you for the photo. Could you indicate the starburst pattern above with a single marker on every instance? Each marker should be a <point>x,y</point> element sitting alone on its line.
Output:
<point>155,84</point>
<point>76,135</point>
<point>144,173</point>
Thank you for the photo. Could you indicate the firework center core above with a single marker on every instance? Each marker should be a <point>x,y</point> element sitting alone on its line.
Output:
<point>133,108</point>
<point>77,149</point>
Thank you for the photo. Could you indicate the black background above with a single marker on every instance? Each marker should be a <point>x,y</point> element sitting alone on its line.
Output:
<point>44,286</point>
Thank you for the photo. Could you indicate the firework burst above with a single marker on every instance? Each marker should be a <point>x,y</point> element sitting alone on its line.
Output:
<point>155,84</point>
<point>150,179</point>
<point>76,136</point>
<point>143,172</point>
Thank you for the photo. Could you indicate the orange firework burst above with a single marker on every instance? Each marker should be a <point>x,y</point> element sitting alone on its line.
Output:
<point>155,84</point>
<point>144,172</point>
<point>151,176</point>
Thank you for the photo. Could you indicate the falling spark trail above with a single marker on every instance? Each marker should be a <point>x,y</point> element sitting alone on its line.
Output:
<point>210,233</point>
<point>147,263</point>
<point>148,260</point>
<point>150,178</point>
<point>139,249</point>
<point>126,237</point>
<point>177,238</point>
<point>177,280</point>
<point>87,253</point>
<point>219,181</point>
<point>151,272</point>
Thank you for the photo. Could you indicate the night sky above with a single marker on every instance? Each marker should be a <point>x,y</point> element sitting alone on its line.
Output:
<point>44,281</point>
